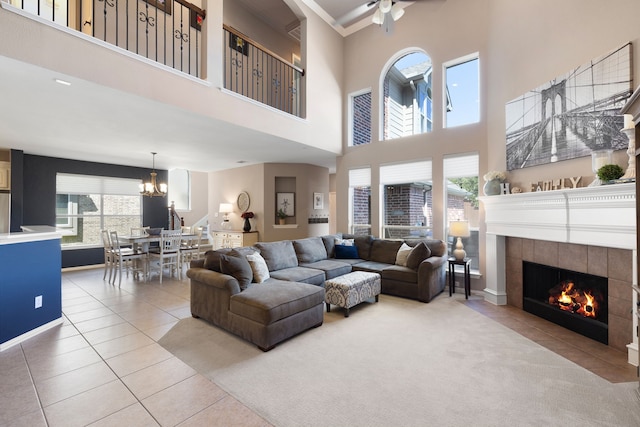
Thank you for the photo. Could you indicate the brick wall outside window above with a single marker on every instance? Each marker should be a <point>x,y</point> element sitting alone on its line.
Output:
<point>362,119</point>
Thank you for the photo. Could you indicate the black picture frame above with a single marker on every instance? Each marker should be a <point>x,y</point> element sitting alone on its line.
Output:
<point>196,19</point>
<point>163,5</point>
<point>238,44</point>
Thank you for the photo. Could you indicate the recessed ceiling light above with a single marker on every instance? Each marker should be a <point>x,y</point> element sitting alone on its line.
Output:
<point>241,161</point>
<point>62,82</point>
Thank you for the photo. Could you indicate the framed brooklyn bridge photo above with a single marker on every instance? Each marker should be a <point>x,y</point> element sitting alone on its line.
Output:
<point>571,115</point>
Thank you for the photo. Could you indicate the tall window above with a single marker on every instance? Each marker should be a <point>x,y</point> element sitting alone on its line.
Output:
<point>407,97</point>
<point>87,204</point>
<point>360,110</point>
<point>461,178</point>
<point>360,201</point>
<point>407,207</point>
<point>463,94</point>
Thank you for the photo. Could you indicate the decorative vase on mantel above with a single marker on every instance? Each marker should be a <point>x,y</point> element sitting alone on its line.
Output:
<point>247,225</point>
<point>492,187</point>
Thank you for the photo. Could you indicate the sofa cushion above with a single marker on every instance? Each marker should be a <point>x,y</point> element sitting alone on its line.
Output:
<point>278,255</point>
<point>330,267</point>
<point>346,252</point>
<point>383,250</point>
<point>310,250</point>
<point>363,243</point>
<point>212,259</point>
<point>436,246</point>
<point>276,300</point>
<point>300,274</point>
<point>372,266</point>
<point>403,254</point>
<point>419,253</point>
<point>330,243</point>
<point>238,267</point>
<point>399,273</point>
<point>258,267</point>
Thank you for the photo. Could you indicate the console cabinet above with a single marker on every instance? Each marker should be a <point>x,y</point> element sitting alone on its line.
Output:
<point>234,239</point>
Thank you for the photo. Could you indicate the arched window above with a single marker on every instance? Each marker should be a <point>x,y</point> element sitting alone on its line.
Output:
<point>408,105</point>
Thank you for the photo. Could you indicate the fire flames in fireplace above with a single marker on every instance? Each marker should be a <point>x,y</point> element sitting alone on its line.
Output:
<point>568,297</point>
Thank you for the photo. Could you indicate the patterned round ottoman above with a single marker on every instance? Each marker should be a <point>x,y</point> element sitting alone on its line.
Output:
<point>351,289</point>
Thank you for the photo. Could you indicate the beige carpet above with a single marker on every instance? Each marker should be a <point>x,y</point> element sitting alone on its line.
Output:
<point>405,363</point>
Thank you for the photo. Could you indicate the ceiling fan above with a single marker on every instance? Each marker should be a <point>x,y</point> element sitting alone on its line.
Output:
<point>387,12</point>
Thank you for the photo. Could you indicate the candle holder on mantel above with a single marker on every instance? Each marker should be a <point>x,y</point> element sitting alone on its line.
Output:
<point>630,131</point>
<point>599,158</point>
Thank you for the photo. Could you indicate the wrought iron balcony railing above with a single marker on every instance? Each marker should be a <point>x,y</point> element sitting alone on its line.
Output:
<point>166,31</point>
<point>253,71</point>
<point>170,32</point>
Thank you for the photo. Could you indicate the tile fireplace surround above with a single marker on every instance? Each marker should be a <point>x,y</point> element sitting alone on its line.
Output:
<point>590,230</point>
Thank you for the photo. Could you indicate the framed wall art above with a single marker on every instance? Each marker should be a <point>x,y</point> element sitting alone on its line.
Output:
<point>163,5</point>
<point>318,201</point>
<point>571,115</point>
<point>286,202</point>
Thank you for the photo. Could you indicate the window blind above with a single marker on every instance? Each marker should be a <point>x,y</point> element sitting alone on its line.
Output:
<point>360,177</point>
<point>461,166</point>
<point>89,184</point>
<point>406,172</point>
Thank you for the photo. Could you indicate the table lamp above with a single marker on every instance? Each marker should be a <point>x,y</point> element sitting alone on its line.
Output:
<point>226,209</point>
<point>459,229</point>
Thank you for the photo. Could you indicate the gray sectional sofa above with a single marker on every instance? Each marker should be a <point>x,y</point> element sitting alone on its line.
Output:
<point>290,299</point>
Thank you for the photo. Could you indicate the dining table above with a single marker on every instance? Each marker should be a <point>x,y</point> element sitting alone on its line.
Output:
<point>142,243</point>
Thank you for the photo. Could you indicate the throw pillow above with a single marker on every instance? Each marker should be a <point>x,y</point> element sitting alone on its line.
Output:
<point>212,259</point>
<point>259,267</point>
<point>403,254</point>
<point>419,253</point>
<point>346,252</point>
<point>344,242</point>
<point>238,267</point>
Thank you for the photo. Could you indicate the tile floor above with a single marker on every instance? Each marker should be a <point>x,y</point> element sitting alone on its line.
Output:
<point>602,360</point>
<point>103,366</point>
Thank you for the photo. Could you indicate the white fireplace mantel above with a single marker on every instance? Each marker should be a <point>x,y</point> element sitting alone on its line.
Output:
<point>598,216</point>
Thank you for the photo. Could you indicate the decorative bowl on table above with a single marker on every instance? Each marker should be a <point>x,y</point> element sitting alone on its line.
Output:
<point>154,231</point>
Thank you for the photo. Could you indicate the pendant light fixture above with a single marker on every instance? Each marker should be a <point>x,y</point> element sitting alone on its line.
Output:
<point>150,188</point>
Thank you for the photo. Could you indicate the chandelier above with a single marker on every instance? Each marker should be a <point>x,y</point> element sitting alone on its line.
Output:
<point>150,188</point>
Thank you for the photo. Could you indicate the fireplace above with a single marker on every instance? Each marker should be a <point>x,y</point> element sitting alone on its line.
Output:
<point>589,230</point>
<point>576,301</point>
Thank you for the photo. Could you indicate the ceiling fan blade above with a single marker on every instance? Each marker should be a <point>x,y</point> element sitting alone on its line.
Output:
<point>355,13</point>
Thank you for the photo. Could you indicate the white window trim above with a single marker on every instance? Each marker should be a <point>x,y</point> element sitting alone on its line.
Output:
<point>453,63</point>
<point>351,96</point>
<point>385,69</point>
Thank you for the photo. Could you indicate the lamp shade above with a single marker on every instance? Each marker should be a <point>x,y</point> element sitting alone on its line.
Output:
<point>459,229</point>
<point>225,208</point>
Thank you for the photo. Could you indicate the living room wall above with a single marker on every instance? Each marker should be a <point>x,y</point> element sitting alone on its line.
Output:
<point>259,182</point>
<point>521,45</point>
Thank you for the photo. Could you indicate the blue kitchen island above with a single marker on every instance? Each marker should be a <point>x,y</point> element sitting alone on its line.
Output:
<point>30,284</point>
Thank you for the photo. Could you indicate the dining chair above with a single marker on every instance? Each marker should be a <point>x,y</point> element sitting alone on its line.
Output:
<point>108,254</point>
<point>167,254</point>
<point>126,259</point>
<point>190,248</point>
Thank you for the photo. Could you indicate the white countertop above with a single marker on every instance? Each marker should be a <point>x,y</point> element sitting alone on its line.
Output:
<point>31,233</point>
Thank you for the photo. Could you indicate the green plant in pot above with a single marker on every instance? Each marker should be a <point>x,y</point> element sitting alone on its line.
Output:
<point>281,215</point>
<point>609,172</point>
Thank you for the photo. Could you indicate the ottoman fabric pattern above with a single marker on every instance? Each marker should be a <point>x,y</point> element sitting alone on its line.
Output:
<point>351,289</point>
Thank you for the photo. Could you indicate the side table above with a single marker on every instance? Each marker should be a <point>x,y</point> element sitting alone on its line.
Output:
<point>467,276</point>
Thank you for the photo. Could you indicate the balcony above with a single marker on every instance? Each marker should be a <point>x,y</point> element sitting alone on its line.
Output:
<point>169,32</point>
